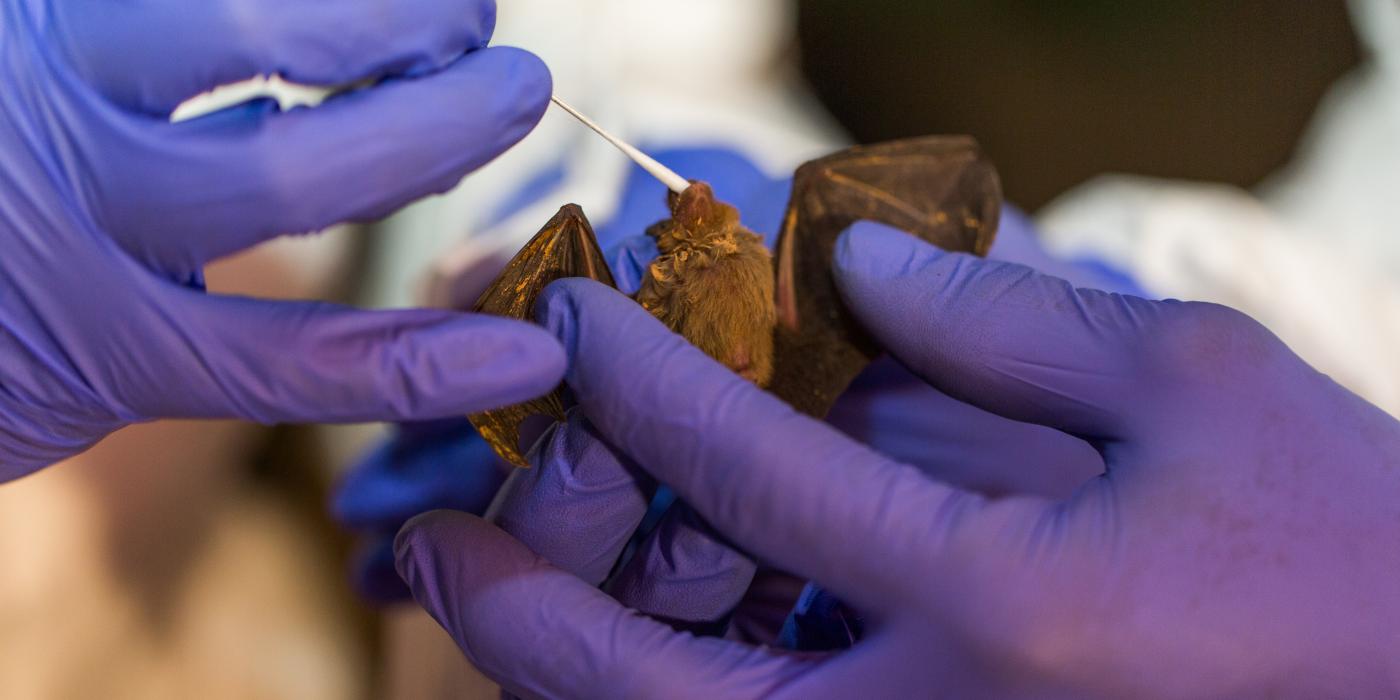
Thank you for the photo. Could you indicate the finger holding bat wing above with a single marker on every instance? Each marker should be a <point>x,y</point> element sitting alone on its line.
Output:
<point>566,247</point>
<point>776,320</point>
<point>941,189</point>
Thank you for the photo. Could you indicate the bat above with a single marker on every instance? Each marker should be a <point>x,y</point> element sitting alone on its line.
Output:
<point>775,319</point>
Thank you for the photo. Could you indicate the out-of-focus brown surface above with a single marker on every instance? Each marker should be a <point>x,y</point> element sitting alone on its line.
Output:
<point>425,664</point>
<point>1061,90</point>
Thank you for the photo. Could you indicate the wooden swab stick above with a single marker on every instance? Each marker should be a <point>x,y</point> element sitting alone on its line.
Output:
<point>668,177</point>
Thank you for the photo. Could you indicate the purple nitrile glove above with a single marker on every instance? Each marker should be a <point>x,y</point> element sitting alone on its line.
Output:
<point>1244,542</point>
<point>108,212</point>
<point>579,506</point>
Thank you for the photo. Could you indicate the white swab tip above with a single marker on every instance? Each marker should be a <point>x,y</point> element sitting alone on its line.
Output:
<point>668,177</point>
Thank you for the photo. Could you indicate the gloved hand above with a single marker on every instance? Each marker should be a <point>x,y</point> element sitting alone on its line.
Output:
<point>1245,540</point>
<point>108,212</point>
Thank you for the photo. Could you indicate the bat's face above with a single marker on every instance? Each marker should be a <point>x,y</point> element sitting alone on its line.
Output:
<point>713,283</point>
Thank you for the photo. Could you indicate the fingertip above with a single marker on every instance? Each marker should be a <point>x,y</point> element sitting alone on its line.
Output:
<point>475,363</point>
<point>457,120</point>
<point>538,349</point>
<point>411,545</point>
<point>523,89</point>
<point>579,504</point>
<point>489,17</point>
<point>569,292</point>
<point>426,544</point>
<point>557,308</point>
<point>419,533</point>
<point>873,266</point>
<point>869,251</point>
<point>684,572</point>
<point>360,156</point>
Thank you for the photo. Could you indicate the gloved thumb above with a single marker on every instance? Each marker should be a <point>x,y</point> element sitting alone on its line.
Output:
<point>1001,336</point>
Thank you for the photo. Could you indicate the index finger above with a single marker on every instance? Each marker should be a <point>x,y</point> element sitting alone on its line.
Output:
<point>793,490</point>
<point>151,58</point>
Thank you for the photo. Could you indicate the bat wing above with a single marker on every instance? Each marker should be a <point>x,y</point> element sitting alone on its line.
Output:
<point>565,247</point>
<point>941,189</point>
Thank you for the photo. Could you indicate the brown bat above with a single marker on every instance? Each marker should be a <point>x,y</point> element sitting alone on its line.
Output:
<point>776,320</point>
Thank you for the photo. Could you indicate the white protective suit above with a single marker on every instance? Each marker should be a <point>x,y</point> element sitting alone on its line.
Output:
<point>1314,254</point>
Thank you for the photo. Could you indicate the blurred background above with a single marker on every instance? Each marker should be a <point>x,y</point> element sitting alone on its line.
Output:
<point>1059,92</point>
<point>1262,143</point>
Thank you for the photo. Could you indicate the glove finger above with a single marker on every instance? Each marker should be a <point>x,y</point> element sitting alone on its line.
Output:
<point>1003,337</point>
<point>580,503</point>
<point>541,632</point>
<point>296,362</point>
<point>791,490</point>
<point>685,573</point>
<point>224,184</point>
<point>579,506</point>
<point>901,416</point>
<point>152,56</point>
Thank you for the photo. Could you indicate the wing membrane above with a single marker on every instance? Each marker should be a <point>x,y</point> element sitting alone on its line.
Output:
<point>941,189</point>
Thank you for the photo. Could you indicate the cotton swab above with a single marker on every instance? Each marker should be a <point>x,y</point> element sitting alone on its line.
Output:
<point>668,177</point>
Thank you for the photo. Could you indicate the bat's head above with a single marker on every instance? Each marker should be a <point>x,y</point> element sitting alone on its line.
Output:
<point>697,219</point>
<point>713,283</point>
